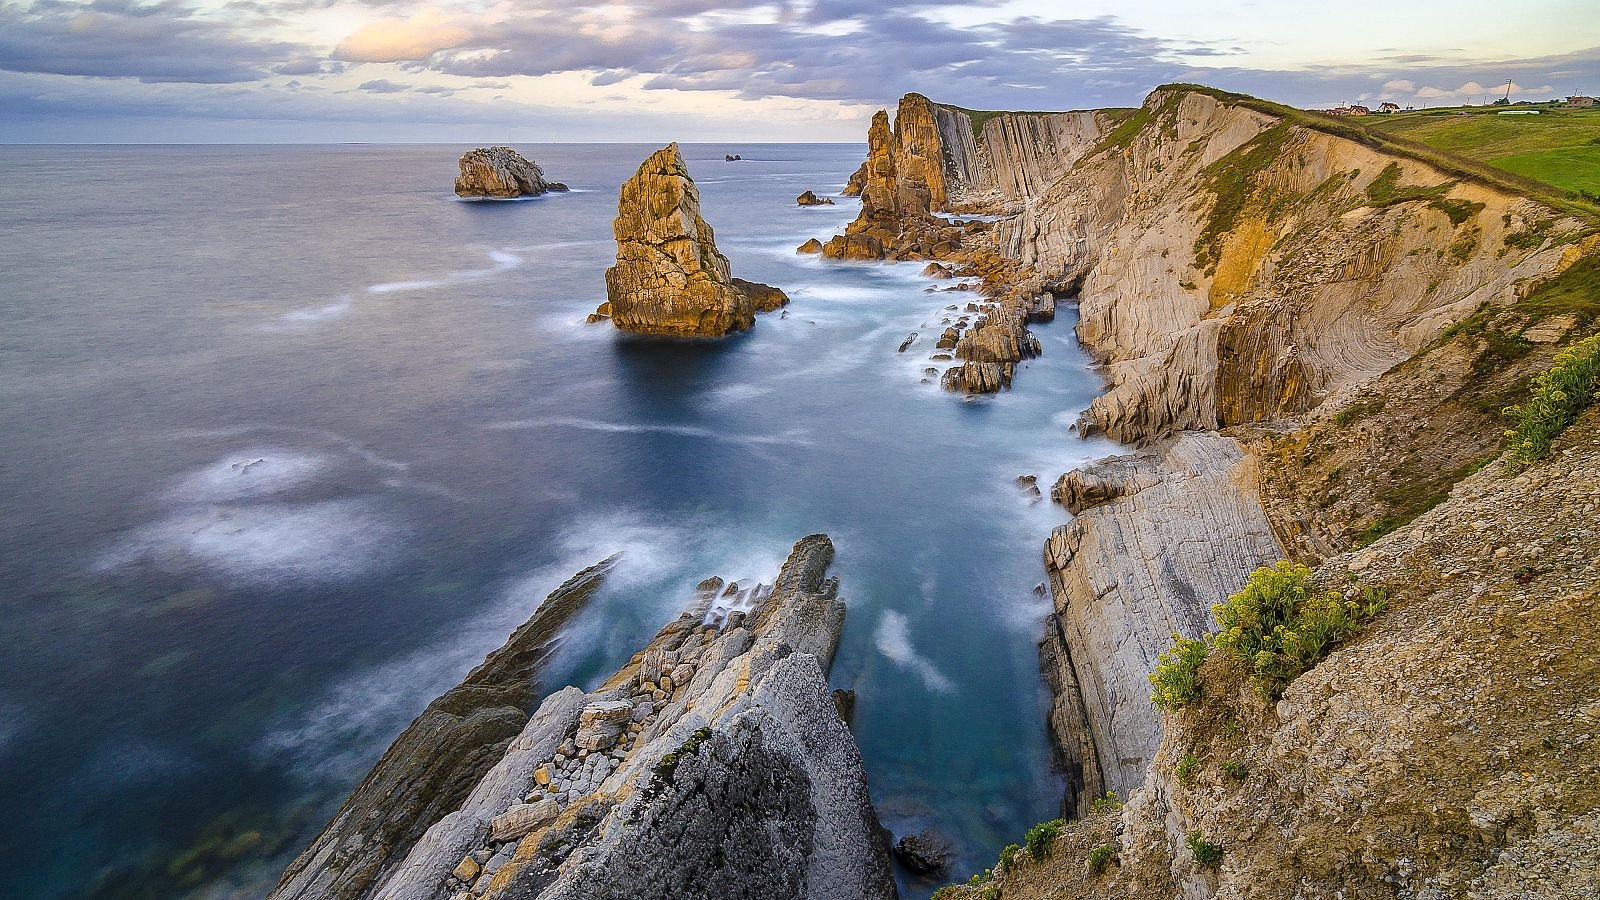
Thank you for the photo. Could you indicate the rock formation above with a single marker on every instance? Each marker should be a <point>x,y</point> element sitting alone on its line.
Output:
<point>810,198</point>
<point>713,764</point>
<point>669,278</point>
<point>432,766</point>
<point>503,173</point>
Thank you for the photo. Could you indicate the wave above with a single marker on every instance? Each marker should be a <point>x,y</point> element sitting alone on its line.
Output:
<point>503,262</point>
<point>893,639</point>
<point>792,438</point>
<point>313,314</point>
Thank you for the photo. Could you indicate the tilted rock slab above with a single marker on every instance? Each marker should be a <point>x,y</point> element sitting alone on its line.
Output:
<point>736,777</point>
<point>1126,574</point>
<point>669,278</point>
<point>432,766</point>
<point>501,172</point>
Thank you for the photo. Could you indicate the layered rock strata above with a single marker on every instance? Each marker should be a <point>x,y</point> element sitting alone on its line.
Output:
<point>1157,538</point>
<point>713,764</point>
<point>669,278</point>
<point>432,766</point>
<point>501,172</point>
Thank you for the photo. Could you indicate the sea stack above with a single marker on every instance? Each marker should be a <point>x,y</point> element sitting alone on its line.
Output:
<point>501,172</point>
<point>669,278</point>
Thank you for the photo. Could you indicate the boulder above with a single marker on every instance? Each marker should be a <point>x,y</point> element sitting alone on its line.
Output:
<point>811,246</point>
<point>521,819</point>
<point>853,246</point>
<point>601,723</point>
<point>669,278</point>
<point>501,172</point>
<point>809,198</point>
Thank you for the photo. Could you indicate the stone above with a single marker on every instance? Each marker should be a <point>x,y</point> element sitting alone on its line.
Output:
<point>669,278</point>
<point>809,198</point>
<point>501,172</point>
<point>925,852</point>
<point>600,723</point>
<point>906,344</point>
<point>467,869</point>
<point>811,246</point>
<point>541,776</point>
<point>862,247</point>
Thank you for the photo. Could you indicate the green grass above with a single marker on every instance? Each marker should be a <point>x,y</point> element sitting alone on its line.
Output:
<point>1575,292</point>
<point>1559,396</point>
<point>1569,168</point>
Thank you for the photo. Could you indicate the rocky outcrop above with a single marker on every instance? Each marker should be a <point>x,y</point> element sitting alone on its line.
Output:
<point>1448,750</point>
<point>501,172</point>
<point>810,198</point>
<point>669,278</point>
<point>858,178</point>
<point>713,764</point>
<point>1137,564</point>
<point>432,766</point>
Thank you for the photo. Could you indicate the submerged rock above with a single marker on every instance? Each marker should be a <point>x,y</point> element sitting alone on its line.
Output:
<point>501,172</point>
<point>924,852</point>
<point>669,278</point>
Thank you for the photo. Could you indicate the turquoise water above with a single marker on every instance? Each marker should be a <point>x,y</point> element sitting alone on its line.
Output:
<point>202,663</point>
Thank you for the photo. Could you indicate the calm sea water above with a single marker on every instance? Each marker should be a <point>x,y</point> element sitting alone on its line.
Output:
<point>199,663</point>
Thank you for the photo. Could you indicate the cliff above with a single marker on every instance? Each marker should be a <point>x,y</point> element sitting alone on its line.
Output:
<point>503,173</point>
<point>669,278</point>
<point>1311,336</point>
<point>713,764</point>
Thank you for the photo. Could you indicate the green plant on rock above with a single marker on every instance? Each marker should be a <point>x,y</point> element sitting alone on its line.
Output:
<point>1041,835</point>
<point>1235,770</point>
<point>1205,853</point>
<point>1559,396</point>
<point>1282,624</point>
<point>1176,678</point>
<point>1186,769</point>
<point>1008,855</point>
<point>1099,856</point>
<point>1106,803</point>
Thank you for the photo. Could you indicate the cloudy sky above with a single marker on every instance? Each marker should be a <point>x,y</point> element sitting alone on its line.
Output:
<point>564,70</point>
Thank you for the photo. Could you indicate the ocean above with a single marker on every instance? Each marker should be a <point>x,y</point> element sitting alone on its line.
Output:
<point>292,437</point>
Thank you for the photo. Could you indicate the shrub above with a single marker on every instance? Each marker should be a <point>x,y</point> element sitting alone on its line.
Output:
<point>1281,624</point>
<point>1559,396</point>
<point>1235,770</point>
<point>1008,855</point>
<point>1205,853</point>
<point>1176,678</point>
<point>1103,804</point>
<point>1039,837</point>
<point>1098,857</point>
<point>1186,769</point>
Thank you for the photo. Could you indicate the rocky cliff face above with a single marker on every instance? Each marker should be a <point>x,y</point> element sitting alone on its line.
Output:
<point>1139,563</point>
<point>501,172</point>
<point>714,764</point>
<point>669,278</point>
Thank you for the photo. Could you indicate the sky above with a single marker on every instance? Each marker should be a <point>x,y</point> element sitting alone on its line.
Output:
<point>721,70</point>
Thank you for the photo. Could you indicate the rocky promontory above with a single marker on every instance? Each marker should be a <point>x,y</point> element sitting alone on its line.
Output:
<point>713,764</point>
<point>669,278</point>
<point>503,173</point>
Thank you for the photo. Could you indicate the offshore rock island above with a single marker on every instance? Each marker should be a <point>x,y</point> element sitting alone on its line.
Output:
<point>670,278</point>
<point>502,173</point>
<point>1366,609</point>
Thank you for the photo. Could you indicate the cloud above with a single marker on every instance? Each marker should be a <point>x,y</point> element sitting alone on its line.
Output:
<point>396,40</point>
<point>1401,86</point>
<point>161,42</point>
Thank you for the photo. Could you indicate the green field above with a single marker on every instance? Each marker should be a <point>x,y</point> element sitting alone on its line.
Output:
<point>1560,147</point>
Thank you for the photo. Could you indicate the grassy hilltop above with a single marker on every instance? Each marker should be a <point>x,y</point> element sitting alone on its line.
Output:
<point>1560,147</point>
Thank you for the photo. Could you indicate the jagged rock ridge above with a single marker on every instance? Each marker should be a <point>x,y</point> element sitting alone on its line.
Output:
<point>669,278</point>
<point>713,764</point>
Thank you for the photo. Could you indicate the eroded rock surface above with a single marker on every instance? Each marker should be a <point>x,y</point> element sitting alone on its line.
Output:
<point>432,766</point>
<point>501,172</point>
<point>669,278</point>
<point>713,764</point>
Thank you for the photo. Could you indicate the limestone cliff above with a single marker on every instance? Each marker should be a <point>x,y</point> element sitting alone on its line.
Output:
<point>503,173</point>
<point>1140,562</point>
<point>713,764</point>
<point>669,278</point>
